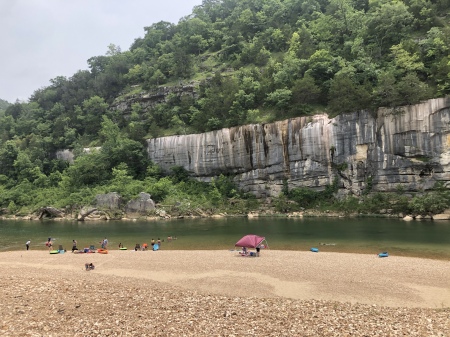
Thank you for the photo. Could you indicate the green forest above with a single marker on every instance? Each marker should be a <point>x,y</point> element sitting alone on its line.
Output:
<point>251,61</point>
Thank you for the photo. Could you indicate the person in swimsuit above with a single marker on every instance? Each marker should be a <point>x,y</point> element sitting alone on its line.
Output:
<point>49,244</point>
<point>74,245</point>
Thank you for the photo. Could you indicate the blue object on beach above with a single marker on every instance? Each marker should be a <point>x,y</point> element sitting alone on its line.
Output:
<point>155,246</point>
<point>384,254</point>
<point>315,250</point>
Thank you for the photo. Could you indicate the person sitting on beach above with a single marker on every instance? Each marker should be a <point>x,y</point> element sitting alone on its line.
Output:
<point>89,266</point>
<point>144,246</point>
<point>244,251</point>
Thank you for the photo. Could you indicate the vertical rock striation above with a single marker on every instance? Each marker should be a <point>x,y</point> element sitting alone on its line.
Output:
<point>406,146</point>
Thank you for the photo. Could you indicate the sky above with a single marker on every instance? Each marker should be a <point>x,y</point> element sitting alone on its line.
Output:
<point>43,39</point>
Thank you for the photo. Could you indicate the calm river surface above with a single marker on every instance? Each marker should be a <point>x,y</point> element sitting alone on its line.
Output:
<point>363,235</point>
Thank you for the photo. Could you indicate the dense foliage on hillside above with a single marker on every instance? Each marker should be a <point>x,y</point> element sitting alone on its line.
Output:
<point>252,61</point>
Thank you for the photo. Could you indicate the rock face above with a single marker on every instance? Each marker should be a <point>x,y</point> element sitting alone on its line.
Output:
<point>50,212</point>
<point>140,206</point>
<point>109,201</point>
<point>406,147</point>
<point>150,99</point>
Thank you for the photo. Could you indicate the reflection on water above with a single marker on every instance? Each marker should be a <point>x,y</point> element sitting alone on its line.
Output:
<point>365,235</point>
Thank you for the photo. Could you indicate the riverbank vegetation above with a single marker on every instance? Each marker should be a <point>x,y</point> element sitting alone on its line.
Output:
<point>396,203</point>
<point>248,61</point>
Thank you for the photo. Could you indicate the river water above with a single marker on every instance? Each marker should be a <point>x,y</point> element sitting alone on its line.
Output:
<point>362,235</point>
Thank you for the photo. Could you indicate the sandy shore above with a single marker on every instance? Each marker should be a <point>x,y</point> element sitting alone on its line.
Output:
<point>219,293</point>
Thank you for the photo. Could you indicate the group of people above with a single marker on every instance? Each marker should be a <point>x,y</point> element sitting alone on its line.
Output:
<point>104,244</point>
<point>245,252</point>
<point>49,244</point>
<point>145,245</point>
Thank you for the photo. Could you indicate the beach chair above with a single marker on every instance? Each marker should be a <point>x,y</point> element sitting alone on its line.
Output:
<point>60,247</point>
<point>92,247</point>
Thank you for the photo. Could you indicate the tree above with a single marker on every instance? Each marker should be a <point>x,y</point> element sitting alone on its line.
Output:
<point>25,168</point>
<point>387,25</point>
<point>14,110</point>
<point>279,99</point>
<point>117,149</point>
<point>214,104</point>
<point>8,154</point>
<point>123,183</point>
<point>305,91</point>
<point>88,170</point>
<point>404,60</point>
<point>412,90</point>
<point>386,92</point>
<point>113,50</point>
<point>93,110</point>
<point>346,95</point>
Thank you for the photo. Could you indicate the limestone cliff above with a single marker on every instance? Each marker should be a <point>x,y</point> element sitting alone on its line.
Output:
<point>407,146</point>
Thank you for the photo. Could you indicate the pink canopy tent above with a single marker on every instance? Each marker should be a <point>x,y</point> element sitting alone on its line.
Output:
<point>250,241</point>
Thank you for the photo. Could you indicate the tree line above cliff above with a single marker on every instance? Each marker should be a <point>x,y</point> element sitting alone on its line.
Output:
<point>249,60</point>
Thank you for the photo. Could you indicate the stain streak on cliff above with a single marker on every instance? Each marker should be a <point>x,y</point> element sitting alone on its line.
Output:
<point>297,125</point>
<point>285,143</point>
<point>233,132</point>
<point>248,139</point>
<point>265,145</point>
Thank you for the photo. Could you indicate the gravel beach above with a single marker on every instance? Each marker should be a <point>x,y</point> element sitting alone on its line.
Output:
<point>220,293</point>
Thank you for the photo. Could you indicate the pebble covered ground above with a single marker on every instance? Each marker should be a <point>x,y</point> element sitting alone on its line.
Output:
<point>54,296</point>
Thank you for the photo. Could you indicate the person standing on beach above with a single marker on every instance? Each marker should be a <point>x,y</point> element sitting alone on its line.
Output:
<point>74,245</point>
<point>49,244</point>
<point>28,244</point>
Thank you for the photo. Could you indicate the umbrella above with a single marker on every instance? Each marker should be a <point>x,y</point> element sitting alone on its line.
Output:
<point>250,241</point>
